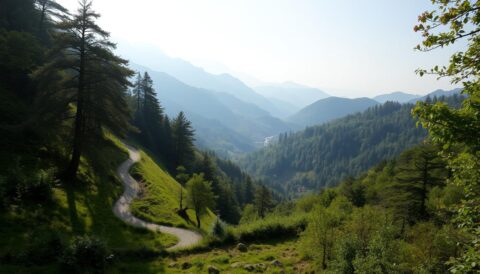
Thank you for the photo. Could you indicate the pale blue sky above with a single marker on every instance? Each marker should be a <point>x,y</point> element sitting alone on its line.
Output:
<point>348,48</point>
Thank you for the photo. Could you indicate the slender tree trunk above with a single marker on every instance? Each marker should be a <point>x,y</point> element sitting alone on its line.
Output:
<point>197,215</point>
<point>42,15</point>
<point>138,98</point>
<point>79,117</point>
<point>423,211</point>
<point>181,198</point>
<point>324,256</point>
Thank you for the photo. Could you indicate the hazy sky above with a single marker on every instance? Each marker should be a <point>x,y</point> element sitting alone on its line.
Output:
<point>348,48</point>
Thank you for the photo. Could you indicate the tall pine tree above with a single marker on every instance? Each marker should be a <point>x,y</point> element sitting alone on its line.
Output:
<point>97,78</point>
<point>183,137</point>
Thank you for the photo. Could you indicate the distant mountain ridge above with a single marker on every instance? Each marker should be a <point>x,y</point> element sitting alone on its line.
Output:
<point>328,109</point>
<point>438,93</point>
<point>222,122</point>
<point>197,77</point>
<point>397,96</point>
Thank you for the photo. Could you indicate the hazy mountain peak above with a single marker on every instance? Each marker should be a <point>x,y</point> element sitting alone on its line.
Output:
<point>330,108</point>
<point>397,96</point>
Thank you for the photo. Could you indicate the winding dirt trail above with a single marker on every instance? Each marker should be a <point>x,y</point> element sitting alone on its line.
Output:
<point>122,206</point>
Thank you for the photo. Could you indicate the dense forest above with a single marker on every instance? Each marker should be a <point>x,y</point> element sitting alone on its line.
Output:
<point>320,156</point>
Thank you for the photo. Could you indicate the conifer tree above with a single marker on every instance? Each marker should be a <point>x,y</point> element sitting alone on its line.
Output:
<point>50,9</point>
<point>183,137</point>
<point>83,47</point>
<point>182,177</point>
<point>226,204</point>
<point>249,191</point>
<point>137,92</point>
<point>263,201</point>
<point>419,170</point>
<point>166,143</point>
<point>209,170</point>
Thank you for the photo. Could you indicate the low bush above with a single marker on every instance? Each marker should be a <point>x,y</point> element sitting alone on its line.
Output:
<point>27,187</point>
<point>272,226</point>
<point>86,253</point>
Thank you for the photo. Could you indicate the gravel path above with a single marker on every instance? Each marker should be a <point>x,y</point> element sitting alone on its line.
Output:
<point>122,206</point>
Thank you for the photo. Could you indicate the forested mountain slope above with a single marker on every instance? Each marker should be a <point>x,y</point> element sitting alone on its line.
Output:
<point>437,93</point>
<point>330,108</point>
<point>320,156</point>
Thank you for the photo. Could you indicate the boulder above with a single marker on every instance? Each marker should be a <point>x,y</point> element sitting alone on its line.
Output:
<point>242,247</point>
<point>255,267</point>
<point>249,267</point>
<point>186,265</point>
<point>213,270</point>
<point>237,265</point>
<point>260,267</point>
<point>277,263</point>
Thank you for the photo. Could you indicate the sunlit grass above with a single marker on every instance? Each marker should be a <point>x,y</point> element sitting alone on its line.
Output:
<point>159,199</point>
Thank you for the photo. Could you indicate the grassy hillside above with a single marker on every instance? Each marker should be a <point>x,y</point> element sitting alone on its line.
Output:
<point>85,208</point>
<point>160,197</point>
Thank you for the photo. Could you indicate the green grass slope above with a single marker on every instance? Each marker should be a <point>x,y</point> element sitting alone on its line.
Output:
<point>159,198</point>
<point>76,210</point>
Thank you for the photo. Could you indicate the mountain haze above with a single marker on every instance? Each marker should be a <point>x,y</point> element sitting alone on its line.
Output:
<point>223,122</point>
<point>293,93</point>
<point>197,77</point>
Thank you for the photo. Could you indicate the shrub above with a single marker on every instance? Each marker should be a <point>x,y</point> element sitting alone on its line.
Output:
<point>86,253</point>
<point>249,214</point>
<point>39,190</point>
<point>28,187</point>
<point>218,229</point>
<point>272,226</point>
